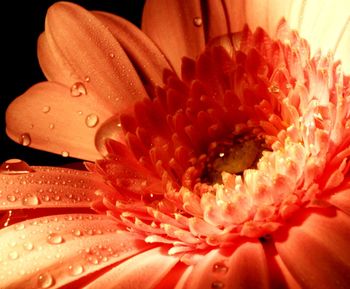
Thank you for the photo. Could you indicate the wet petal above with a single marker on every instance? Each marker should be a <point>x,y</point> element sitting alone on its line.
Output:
<point>143,53</point>
<point>48,187</point>
<point>173,24</point>
<point>244,267</point>
<point>316,251</point>
<point>147,268</point>
<point>48,117</point>
<point>83,49</point>
<point>55,251</point>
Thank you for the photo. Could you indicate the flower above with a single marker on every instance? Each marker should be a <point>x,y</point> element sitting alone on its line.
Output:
<point>222,147</point>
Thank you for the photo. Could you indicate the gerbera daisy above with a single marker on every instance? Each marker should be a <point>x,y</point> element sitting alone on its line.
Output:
<point>217,140</point>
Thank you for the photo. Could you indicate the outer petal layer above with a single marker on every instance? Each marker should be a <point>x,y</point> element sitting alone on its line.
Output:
<point>54,251</point>
<point>316,252</point>
<point>48,117</point>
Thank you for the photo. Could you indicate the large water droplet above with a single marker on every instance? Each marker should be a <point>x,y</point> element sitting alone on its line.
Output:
<point>78,89</point>
<point>217,285</point>
<point>25,139</point>
<point>46,109</point>
<point>65,154</point>
<point>197,21</point>
<point>30,201</point>
<point>91,120</point>
<point>28,246</point>
<point>220,267</point>
<point>13,255</point>
<point>45,280</point>
<point>11,198</point>
<point>55,239</point>
<point>14,167</point>
<point>75,269</point>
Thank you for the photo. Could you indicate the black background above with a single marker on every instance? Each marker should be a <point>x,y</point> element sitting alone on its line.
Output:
<point>21,23</point>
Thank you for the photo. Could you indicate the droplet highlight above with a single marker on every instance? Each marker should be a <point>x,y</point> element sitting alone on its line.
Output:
<point>91,120</point>
<point>220,268</point>
<point>45,280</point>
<point>55,239</point>
<point>46,109</point>
<point>15,167</point>
<point>25,139</point>
<point>78,89</point>
<point>197,21</point>
<point>65,154</point>
<point>75,270</point>
<point>31,201</point>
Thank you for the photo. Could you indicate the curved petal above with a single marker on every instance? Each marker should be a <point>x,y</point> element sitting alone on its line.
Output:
<point>246,267</point>
<point>341,199</point>
<point>54,251</point>
<point>316,251</point>
<point>83,49</point>
<point>48,117</point>
<point>144,270</point>
<point>47,187</point>
<point>143,53</point>
<point>176,27</point>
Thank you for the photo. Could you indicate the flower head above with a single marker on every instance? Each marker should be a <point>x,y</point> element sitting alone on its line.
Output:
<point>223,157</point>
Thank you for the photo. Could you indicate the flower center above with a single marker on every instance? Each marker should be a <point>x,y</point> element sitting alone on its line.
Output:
<point>233,156</point>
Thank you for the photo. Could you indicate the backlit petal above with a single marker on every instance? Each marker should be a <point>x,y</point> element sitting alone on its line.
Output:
<point>53,251</point>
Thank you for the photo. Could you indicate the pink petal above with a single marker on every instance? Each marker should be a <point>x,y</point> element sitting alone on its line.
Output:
<point>83,49</point>
<point>341,200</point>
<point>315,249</point>
<point>54,251</point>
<point>245,267</point>
<point>49,187</point>
<point>143,53</point>
<point>142,271</point>
<point>176,27</point>
<point>47,117</point>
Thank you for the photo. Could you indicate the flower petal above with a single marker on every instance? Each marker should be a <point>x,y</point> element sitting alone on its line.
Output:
<point>315,250</point>
<point>341,200</point>
<point>176,27</point>
<point>47,187</point>
<point>143,53</point>
<point>83,49</point>
<point>245,267</point>
<point>147,268</point>
<point>47,117</point>
<point>54,251</point>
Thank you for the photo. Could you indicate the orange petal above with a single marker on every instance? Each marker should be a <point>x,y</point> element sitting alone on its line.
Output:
<point>143,53</point>
<point>142,271</point>
<point>48,187</point>
<point>48,117</point>
<point>315,250</point>
<point>246,267</point>
<point>77,47</point>
<point>176,27</point>
<point>54,251</point>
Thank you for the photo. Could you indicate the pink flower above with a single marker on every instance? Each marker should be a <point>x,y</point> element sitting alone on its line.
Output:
<point>222,145</point>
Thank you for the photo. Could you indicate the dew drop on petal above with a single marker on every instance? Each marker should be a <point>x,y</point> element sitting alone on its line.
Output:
<point>111,55</point>
<point>91,120</point>
<point>30,201</point>
<point>75,270</point>
<point>25,139</point>
<point>77,232</point>
<point>217,285</point>
<point>45,280</point>
<point>87,78</point>
<point>13,255</point>
<point>65,154</point>
<point>28,246</point>
<point>51,126</point>
<point>46,109</point>
<point>197,21</point>
<point>78,89</point>
<point>19,227</point>
<point>11,198</point>
<point>220,268</point>
<point>14,167</point>
<point>55,239</point>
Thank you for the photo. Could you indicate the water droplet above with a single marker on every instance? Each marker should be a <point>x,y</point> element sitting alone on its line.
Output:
<point>28,246</point>
<point>75,269</point>
<point>65,154</point>
<point>19,226</point>
<point>11,198</point>
<point>274,89</point>
<point>55,239</point>
<point>45,280</point>
<point>220,268</point>
<point>111,55</point>
<point>14,167</point>
<point>13,255</point>
<point>217,285</point>
<point>78,89</point>
<point>91,120</point>
<point>93,260</point>
<point>24,139</point>
<point>87,78</point>
<point>77,233</point>
<point>197,21</point>
<point>46,109</point>
<point>30,201</point>
<point>51,126</point>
